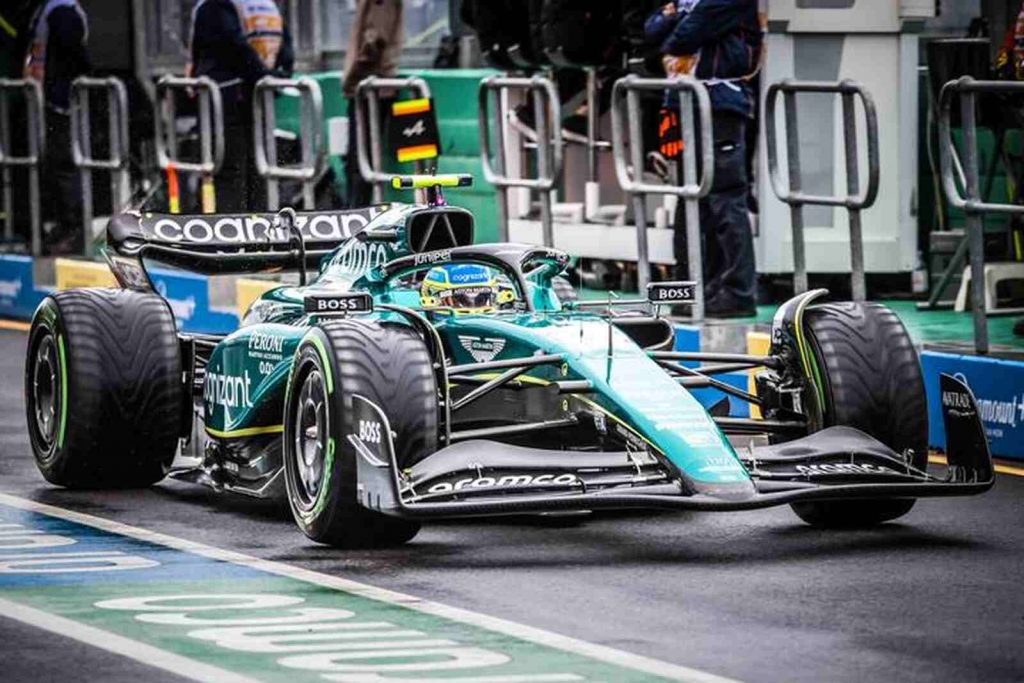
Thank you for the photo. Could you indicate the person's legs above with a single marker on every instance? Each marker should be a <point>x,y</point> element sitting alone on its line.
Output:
<point>735,278</point>
<point>255,186</point>
<point>679,242</point>
<point>62,186</point>
<point>711,257</point>
<point>232,182</point>
<point>712,251</point>
<point>357,191</point>
<point>727,222</point>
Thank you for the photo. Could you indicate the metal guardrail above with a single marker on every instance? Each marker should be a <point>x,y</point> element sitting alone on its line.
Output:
<point>547,113</point>
<point>211,129</point>
<point>310,135</point>
<point>369,142</point>
<point>628,89</point>
<point>36,140</point>
<point>854,200</point>
<point>81,145</point>
<point>971,201</point>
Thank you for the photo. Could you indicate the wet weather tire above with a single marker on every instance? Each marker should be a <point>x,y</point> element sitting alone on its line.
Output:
<point>103,388</point>
<point>871,380</point>
<point>385,363</point>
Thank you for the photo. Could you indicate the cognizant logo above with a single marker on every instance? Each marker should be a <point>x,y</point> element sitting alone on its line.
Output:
<point>230,391</point>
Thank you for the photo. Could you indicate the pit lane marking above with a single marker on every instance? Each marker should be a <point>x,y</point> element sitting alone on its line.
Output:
<point>526,634</point>
<point>1001,469</point>
<point>126,647</point>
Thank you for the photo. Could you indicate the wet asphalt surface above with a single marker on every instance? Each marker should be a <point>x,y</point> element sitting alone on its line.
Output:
<point>758,596</point>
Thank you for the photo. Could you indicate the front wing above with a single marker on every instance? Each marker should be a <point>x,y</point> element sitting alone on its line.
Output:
<point>487,478</point>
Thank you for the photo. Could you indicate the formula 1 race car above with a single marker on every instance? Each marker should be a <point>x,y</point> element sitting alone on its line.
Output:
<point>422,376</point>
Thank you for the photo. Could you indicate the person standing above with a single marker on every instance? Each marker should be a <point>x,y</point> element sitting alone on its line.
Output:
<point>56,56</point>
<point>374,48</point>
<point>719,42</point>
<point>236,43</point>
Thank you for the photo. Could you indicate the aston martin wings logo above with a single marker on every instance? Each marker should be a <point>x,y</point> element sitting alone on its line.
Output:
<point>482,349</point>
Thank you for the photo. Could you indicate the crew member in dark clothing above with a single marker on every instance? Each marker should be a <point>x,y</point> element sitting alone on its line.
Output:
<point>374,48</point>
<point>57,55</point>
<point>236,43</point>
<point>719,42</point>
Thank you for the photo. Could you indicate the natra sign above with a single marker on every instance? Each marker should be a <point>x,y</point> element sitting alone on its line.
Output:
<point>998,387</point>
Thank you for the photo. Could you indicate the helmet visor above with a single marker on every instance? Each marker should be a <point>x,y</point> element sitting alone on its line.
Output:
<point>469,298</point>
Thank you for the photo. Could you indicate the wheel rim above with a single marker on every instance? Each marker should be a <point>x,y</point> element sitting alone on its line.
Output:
<point>309,439</point>
<point>45,385</point>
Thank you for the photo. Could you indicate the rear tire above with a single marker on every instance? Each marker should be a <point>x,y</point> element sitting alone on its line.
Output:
<point>871,379</point>
<point>385,363</point>
<point>103,388</point>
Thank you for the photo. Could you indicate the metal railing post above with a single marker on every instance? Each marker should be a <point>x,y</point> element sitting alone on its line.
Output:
<point>975,222</point>
<point>310,134</point>
<point>971,203</point>
<point>592,123</point>
<point>547,113</point>
<point>368,139</point>
<point>8,180</point>
<point>695,185</point>
<point>211,125</point>
<point>636,153</point>
<point>81,145</point>
<point>854,200</point>
<point>36,138</point>
<point>796,208</point>
<point>499,156</point>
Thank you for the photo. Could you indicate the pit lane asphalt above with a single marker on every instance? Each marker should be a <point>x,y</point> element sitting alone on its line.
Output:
<point>755,596</point>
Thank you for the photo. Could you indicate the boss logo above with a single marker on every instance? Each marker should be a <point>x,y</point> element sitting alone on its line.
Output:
<point>675,294</point>
<point>671,292</point>
<point>369,431</point>
<point>339,304</point>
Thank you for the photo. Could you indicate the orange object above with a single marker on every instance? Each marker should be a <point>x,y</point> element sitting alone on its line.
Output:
<point>173,190</point>
<point>670,142</point>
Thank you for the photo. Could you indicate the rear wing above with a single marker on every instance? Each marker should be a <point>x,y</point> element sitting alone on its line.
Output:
<point>228,243</point>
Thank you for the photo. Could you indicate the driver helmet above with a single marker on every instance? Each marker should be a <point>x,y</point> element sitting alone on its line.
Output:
<point>464,288</point>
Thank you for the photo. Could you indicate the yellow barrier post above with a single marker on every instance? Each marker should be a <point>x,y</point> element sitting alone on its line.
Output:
<point>758,344</point>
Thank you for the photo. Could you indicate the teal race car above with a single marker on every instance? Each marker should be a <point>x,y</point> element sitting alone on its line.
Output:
<point>420,376</point>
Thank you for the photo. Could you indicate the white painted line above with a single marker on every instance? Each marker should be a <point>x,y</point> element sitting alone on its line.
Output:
<point>111,642</point>
<point>527,633</point>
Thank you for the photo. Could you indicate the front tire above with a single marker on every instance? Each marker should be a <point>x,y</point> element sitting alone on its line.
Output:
<point>389,365</point>
<point>870,379</point>
<point>103,388</point>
